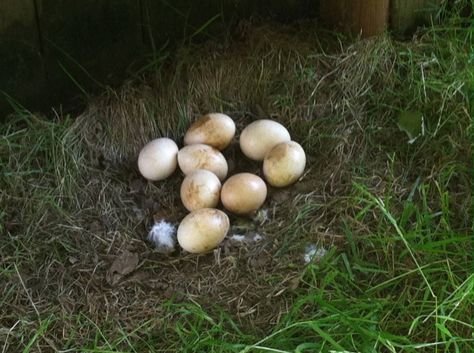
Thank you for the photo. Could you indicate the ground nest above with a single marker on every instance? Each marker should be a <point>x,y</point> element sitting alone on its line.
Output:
<point>79,225</point>
<point>250,79</point>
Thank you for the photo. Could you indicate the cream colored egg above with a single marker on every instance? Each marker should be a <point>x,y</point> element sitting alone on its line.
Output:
<point>200,189</point>
<point>259,137</point>
<point>215,129</point>
<point>243,193</point>
<point>202,156</point>
<point>157,159</point>
<point>203,230</point>
<point>284,164</point>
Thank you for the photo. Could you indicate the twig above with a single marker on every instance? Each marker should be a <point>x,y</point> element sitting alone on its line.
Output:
<point>26,290</point>
<point>8,334</point>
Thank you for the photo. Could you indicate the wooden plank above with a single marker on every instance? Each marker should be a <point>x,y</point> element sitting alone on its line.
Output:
<point>21,64</point>
<point>367,17</point>
<point>16,12</point>
<point>88,44</point>
<point>59,49</point>
<point>405,15</point>
<point>175,20</point>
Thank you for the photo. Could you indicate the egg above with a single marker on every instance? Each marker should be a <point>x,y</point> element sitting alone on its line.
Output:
<point>284,164</point>
<point>214,129</point>
<point>202,156</point>
<point>200,189</point>
<point>157,159</point>
<point>203,230</point>
<point>259,137</point>
<point>243,193</point>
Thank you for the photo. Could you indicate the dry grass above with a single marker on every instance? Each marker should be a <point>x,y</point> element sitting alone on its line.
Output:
<point>75,202</point>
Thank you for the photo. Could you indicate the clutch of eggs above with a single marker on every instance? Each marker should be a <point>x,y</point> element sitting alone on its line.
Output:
<point>205,168</point>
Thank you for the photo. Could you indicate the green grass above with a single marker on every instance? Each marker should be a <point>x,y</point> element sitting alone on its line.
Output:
<point>396,218</point>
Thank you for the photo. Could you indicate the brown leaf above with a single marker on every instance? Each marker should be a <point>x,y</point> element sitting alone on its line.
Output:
<point>281,196</point>
<point>126,263</point>
<point>137,186</point>
<point>294,283</point>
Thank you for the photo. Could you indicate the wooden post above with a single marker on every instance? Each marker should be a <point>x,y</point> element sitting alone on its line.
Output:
<point>406,14</point>
<point>87,43</point>
<point>16,12</point>
<point>367,17</point>
<point>21,63</point>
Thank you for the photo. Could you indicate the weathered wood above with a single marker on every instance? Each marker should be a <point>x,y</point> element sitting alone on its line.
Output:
<point>66,47</point>
<point>367,17</point>
<point>405,15</point>
<point>88,41</point>
<point>169,20</point>
<point>16,12</point>
<point>21,63</point>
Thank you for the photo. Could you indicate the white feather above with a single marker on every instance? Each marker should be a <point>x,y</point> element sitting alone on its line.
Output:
<point>314,253</point>
<point>237,237</point>
<point>163,235</point>
<point>257,237</point>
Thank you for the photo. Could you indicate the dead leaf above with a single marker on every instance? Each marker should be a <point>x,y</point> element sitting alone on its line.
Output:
<point>281,196</point>
<point>260,261</point>
<point>294,283</point>
<point>126,263</point>
<point>137,186</point>
<point>96,227</point>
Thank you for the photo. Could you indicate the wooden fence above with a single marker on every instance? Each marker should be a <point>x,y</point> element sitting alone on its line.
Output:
<point>52,50</point>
